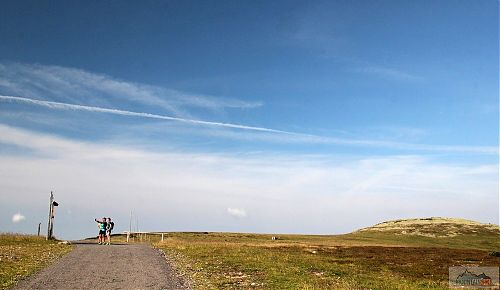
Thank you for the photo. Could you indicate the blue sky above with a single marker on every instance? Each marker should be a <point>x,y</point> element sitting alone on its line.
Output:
<point>308,106</point>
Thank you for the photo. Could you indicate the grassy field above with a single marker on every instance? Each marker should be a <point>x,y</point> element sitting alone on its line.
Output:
<point>22,255</point>
<point>367,259</point>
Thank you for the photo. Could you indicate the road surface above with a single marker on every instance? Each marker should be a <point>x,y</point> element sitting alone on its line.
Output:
<point>119,266</point>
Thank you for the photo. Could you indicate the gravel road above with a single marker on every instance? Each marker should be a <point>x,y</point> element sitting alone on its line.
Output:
<point>119,266</point>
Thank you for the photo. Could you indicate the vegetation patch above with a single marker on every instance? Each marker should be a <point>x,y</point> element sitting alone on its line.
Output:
<point>368,259</point>
<point>22,255</point>
<point>219,260</point>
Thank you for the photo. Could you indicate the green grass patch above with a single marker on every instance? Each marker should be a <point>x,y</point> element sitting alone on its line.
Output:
<point>22,255</point>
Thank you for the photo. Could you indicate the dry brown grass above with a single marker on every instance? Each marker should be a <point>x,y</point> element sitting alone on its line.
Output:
<point>22,255</point>
<point>219,260</point>
<point>369,259</point>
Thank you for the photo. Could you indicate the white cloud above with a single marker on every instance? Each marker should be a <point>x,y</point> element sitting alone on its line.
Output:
<point>284,136</point>
<point>66,106</point>
<point>185,191</point>
<point>293,137</point>
<point>85,91</point>
<point>236,212</point>
<point>18,217</point>
<point>82,87</point>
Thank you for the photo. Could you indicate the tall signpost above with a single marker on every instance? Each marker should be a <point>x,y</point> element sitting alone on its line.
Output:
<point>50,227</point>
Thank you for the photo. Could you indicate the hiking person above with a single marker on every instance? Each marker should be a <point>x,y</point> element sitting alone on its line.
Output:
<point>102,225</point>
<point>109,227</point>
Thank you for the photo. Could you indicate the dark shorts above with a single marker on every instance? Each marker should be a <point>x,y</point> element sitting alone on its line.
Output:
<point>108,233</point>
<point>102,232</point>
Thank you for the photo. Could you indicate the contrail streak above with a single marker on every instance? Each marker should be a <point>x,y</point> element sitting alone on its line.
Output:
<point>66,106</point>
<point>300,137</point>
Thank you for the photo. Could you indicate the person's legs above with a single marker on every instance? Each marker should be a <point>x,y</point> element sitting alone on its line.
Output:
<point>102,238</point>
<point>99,237</point>
<point>109,237</point>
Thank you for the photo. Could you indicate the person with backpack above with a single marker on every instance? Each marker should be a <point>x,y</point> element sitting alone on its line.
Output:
<point>102,225</point>
<point>109,227</point>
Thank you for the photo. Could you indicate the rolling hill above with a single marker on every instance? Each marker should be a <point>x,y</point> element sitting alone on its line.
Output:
<point>434,227</point>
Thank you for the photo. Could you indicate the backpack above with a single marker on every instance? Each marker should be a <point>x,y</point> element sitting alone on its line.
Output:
<point>111,225</point>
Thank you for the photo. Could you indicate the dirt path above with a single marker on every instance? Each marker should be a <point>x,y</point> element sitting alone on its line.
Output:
<point>120,266</point>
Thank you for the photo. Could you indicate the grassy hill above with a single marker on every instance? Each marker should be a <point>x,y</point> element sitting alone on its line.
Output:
<point>434,227</point>
<point>431,232</point>
<point>401,254</point>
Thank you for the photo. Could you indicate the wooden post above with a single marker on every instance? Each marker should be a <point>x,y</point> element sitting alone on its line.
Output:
<point>39,224</point>
<point>130,224</point>
<point>162,237</point>
<point>128,236</point>
<point>49,225</point>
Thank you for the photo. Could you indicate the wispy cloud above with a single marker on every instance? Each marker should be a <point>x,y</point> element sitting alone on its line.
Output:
<point>317,28</point>
<point>193,191</point>
<point>285,136</point>
<point>82,87</point>
<point>322,29</point>
<point>387,72</point>
<point>66,106</point>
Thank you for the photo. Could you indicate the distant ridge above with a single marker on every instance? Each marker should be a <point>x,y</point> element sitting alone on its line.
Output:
<point>434,227</point>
